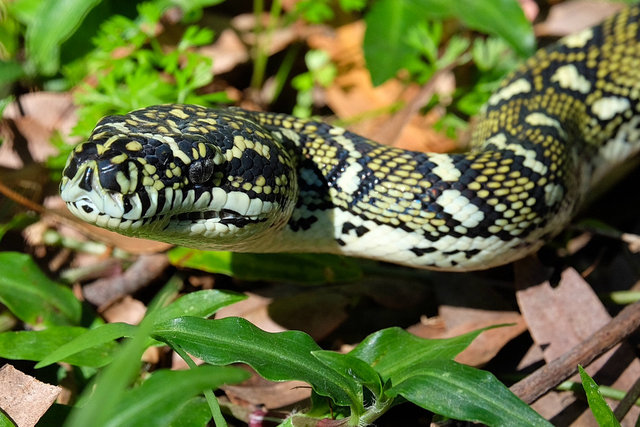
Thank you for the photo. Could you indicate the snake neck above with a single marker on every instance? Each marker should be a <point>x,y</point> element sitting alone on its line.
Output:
<point>263,182</point>
<point>558,125</point>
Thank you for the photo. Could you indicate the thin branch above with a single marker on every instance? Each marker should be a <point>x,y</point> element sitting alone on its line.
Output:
<point>553,373</point>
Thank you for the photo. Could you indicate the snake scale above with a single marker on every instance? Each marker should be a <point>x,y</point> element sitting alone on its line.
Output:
<point>231,179</point>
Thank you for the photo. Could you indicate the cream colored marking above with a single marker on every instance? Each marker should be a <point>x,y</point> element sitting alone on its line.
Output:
<point>578,40</point>
<point>607,108</point>
<point>541,119</point>
<point>133,146</point>
<point>218,199</point>
<point>349,181</point>
<point>238,201</point>
<point>514,88</point>
<point>569,77</point>
<point>187,203</point>
<point>553,193</point>
<point>624,145</point>
<point>179,113</point>
<point>175,150</point>
<point>255,207</point>
<point>116,160</point>
<point>292,135</point>
<point>203,202</point>
<point>123,182</point>
<point>445,168</point>
<point>460,208</point>
<point>136,211</point>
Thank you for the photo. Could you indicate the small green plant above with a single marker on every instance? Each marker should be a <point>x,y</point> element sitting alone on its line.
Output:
<point>387,368</point>
<point>321,72</point>
<point>409,35</point>
<point>129,68</point>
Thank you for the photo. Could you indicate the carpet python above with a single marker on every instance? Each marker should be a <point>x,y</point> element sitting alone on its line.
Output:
<point>231,179</point>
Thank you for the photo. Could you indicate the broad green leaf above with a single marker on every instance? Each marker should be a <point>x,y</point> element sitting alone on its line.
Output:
<point>32,296</point>
<point>391,351</point>
<point>10,71</point>
<point>53,23</point>
<point>199,304</point>
<point>464,393</point>
<point>102,335</point>
<point>601,411</point>
<point>38,345</point>
<point>5,421</point>
<point>503,18</point>
<point>351,368</point>
<point>194,412</point>
<point>157,401</point>
<point>386,45</point>
<point>275,356</point>
<point>292,268</point>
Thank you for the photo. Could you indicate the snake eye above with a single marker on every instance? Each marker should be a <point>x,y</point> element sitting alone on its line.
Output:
<point>201,171</point>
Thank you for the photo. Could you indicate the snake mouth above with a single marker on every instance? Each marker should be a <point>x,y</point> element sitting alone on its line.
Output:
<point>159,214</point>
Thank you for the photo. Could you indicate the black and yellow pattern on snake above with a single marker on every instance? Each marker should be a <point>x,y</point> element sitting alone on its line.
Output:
<point>247,181</point>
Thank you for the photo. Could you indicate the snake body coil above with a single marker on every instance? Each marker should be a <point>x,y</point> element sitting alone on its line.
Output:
<point>263,182</point>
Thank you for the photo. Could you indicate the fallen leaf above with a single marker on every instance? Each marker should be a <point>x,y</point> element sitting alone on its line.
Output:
<point>561,317</point>
<point>23,398</point>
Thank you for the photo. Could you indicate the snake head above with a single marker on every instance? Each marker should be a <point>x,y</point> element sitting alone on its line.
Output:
<point>181,174</point>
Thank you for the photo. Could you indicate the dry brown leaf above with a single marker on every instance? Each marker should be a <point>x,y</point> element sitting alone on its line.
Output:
<point>317,312</point>
<point>44,113</point>
<point>558,319</point>
<point>227,52</point>
<point>572,16</point>
<point>127,310</point>
<point>487,344</point>
<point>255,309</point>
<point>353,97</point>
<point>23,398</point>
<point>272,395</point>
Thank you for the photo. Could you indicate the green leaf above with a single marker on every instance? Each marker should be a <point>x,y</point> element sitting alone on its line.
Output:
<point>5,421</point>
<point>503,18</point>
<point>102,335</point>
<point>601,411</point>
<point>464,393</point>
<point>32,296</point>
<point>103,395</point>
<point>161,397</point>
<point>393,350</point>
<point>194,412</point>
<point>308,269</point>
<point>199,304</point>
<point>351,368</point>
<point>387,46</point>
<point>54,23</point>
<point>38,345</point>
<point>10,71</point>
<point>279,356</point>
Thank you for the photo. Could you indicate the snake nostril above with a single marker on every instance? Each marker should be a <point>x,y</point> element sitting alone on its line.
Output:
<point>85,182</point>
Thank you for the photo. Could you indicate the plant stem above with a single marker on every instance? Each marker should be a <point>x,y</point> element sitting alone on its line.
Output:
<point>214,407</point>
<point>263,40</point>
<point>381,406</point>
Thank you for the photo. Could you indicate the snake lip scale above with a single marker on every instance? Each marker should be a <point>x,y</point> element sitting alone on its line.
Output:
<point>231,179</point>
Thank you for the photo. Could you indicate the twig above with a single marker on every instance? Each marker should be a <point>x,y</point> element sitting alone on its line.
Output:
<point>553,373</point>
<point>142,272</point>
<point>628,401</point>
